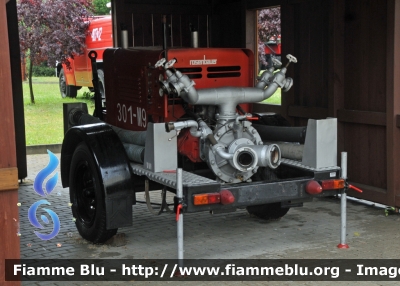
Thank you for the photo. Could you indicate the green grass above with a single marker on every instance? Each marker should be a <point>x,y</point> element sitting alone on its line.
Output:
<point>274,99</point>
<point>44,119</point>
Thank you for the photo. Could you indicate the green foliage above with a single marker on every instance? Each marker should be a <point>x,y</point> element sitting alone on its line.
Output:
<point>43,70</point>
<point>52,30</point>
<point>100,7</point>
<point>87,94</point>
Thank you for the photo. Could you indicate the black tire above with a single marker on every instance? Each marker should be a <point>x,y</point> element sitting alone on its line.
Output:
<point>87,197</point>
<point>268,211</point>
<point>67,90</point>
<point>62,84</point>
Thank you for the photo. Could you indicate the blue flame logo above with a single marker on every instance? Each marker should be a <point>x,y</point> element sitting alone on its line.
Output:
<point>43,174</point>
<point>33,219</point>
<point>38,187</point>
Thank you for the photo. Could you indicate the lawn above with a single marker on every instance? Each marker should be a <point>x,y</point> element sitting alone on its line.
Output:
<point>44,119</point>
<point>274,99</point>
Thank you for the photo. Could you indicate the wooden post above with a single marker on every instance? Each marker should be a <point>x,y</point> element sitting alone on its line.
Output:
<point>9,218</point>
<point>336,64</point>
<point>393,100</point>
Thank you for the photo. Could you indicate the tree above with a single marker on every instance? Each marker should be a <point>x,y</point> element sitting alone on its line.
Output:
<point>52,30</point>
<point>100,7</point>
<point>269,24</point>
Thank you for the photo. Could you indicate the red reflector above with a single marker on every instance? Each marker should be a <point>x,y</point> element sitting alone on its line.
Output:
<point>313,188</point>
<point>332,184</point>
<point>206,199</point>
<point>226,197</point>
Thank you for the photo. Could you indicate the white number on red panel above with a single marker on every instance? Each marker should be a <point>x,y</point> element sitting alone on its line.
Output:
<point>126,114</point>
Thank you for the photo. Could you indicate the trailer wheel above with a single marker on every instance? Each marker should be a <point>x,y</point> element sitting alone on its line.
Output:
<point>268,211</point>
<point>67,90</point>
<point>87,197</point>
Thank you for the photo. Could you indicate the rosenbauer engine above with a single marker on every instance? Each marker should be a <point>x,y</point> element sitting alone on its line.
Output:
<point>192,109</point>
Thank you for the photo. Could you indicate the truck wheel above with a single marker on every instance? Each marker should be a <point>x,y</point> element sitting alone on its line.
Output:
<point>67,90</point>
<point>102,89</point>
<point>87,197</point>
<point>62,84</point>
<point>268,211</point>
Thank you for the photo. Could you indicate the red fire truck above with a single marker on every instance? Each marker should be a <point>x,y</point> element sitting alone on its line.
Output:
<point>98,39</point>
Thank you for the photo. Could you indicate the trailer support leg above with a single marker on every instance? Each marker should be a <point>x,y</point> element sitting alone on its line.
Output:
<point>179,216</point>
<point>343,205</point>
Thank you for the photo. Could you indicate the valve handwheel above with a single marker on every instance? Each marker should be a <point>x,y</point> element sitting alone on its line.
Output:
<point>291,58</point>
<point>160,63</point>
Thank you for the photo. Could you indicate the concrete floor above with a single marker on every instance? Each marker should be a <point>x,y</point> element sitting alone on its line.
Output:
<point>310,232</point>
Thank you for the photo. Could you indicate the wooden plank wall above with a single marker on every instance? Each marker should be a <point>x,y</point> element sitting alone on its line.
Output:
<point>228,24</point>
<point>18,98</point>
<point>393,100</point>
<point>143,20</point>
<point>364,109</point>
<point>305,26</point>
<point>348,67</point>
<point>10,247</point>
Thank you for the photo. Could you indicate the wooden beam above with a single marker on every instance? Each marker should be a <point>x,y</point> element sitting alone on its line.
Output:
<point>362,117</point>
<point>299,1</point>
<point>289,47</point>
<point>7,133</point>
<point>9,223</point>
<point>398,120</point>
<point>8,179</point>
<point>259,4</point>
<point>307,112</point>
<point>10,243</point>
<point>336,64</point>
<point>393,99</point>
<point>261,108</point>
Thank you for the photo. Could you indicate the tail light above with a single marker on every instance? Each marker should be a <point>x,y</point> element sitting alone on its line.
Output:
<point>206,199</point>
<point>224,197</point>
<point>227,197</point>
<point>333,184</point>
<point>313,188</point>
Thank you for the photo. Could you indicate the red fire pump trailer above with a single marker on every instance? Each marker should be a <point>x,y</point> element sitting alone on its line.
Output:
<point>190,109</point>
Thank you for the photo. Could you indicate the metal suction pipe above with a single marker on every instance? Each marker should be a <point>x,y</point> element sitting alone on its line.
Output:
<point>220,150</point>
<point>268,155</point>
<point>165,85</point>
<point>265,79</point>
<point>197,128</point>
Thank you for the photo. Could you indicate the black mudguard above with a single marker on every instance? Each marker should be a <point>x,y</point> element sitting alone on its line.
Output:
<point>113,167</point>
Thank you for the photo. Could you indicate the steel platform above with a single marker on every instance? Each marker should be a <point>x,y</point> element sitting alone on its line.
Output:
<point>168,178</point>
